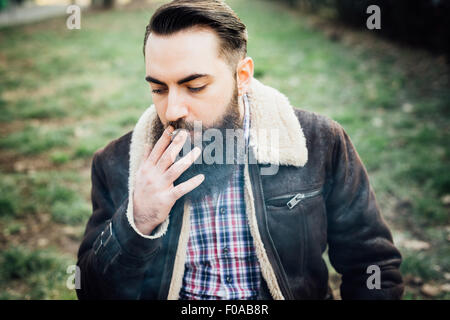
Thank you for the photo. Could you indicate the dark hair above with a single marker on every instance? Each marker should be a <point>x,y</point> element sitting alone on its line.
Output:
<point>215,14</point>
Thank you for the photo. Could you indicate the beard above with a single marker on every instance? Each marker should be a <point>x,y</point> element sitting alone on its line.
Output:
<point>219,156</point>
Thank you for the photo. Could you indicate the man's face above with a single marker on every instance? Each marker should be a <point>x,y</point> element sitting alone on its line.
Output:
<point>189,80</point>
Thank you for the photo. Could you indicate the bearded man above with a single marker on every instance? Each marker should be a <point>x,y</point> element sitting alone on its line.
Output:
<point>174,218</point>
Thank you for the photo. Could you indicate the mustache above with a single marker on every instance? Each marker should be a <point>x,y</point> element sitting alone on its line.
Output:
<point>230,120</point>
<point>181,124</point>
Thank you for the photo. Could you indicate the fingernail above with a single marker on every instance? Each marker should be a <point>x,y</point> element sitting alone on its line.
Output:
<point>181,135</point>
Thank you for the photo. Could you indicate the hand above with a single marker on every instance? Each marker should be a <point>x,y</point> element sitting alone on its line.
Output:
<point>154,193</point>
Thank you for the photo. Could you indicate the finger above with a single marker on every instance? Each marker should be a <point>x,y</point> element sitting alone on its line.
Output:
<point>160,145</point>
<point>187,186</point>
<point>170,154</point>
<point>181,165</point>
<point>147,150</point>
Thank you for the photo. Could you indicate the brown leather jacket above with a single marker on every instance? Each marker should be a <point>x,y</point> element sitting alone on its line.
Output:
<point>312,165</point>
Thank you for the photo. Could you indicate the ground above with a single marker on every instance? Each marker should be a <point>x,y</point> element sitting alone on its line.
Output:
<point>66,93</point>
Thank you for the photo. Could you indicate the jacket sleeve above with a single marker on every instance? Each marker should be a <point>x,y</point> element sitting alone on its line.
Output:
<point>358,237</point>
<point>112,258</point>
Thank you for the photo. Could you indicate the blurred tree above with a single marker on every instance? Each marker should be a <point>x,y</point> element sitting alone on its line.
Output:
<point>424,23</point>
<point>3,4</point>
<point>108,4</point>
<point>104,4</point>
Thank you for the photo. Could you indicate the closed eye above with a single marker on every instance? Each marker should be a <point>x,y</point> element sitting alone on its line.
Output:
<point>197,89</point>
<point>158,91</point>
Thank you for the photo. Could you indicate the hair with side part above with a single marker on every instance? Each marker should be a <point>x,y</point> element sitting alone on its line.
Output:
<point>214,14</point>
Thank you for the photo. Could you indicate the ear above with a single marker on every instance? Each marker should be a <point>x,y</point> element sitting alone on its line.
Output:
<point>244,74</point>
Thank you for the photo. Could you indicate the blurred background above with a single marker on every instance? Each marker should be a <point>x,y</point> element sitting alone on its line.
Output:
<point>66,93</point>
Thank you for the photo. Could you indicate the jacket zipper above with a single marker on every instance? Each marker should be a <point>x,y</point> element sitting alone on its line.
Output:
<point>261,214</point>
<point>296,198</point>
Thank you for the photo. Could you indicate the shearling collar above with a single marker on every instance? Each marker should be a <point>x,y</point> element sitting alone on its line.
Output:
<point>276,135</point>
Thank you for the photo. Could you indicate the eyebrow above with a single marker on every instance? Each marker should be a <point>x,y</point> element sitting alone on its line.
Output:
<point>184,80</point>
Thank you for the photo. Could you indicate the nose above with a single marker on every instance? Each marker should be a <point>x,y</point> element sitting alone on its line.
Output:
<point>176,106</point>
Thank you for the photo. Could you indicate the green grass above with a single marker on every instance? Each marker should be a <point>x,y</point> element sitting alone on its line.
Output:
<point>42,274</point>
<point>70,212</point>
<point>9,199</point>
<point>428,266</point>
<point>33,140</point>
<point>64,94</point>
<point>44,192</point>
<point>419,264</point>
<point>59,157</point>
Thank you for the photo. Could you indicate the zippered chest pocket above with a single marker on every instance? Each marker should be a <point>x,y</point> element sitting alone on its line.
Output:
<point>293,199</point>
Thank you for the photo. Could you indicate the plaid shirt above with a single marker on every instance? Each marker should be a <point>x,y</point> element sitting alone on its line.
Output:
<point>221,261</point>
